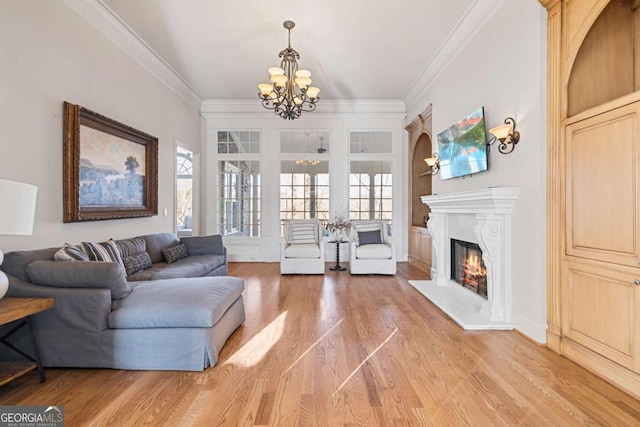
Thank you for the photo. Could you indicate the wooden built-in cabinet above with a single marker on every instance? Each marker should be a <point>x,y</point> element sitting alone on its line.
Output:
<point>593,286</point>
<point>419,185</point>
<point>420,248</point>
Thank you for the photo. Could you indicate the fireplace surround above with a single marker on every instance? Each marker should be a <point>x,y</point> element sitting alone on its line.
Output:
<point>482,217</point>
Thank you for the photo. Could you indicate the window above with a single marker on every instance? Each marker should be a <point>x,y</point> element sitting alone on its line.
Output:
<point>295,142</point>
<point>304,189</point>
<point>239,198</point>
<point>370,142</point>
<point>239,183</point>
<point>184,191</point>
<point>370,190</point>
<point>370,178</point>
<point>242,142</point>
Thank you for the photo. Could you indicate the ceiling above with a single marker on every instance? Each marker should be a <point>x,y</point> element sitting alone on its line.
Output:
<point>356,49</point>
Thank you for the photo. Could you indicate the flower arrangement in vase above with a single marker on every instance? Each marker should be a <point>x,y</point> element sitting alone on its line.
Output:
<point>339,228</point>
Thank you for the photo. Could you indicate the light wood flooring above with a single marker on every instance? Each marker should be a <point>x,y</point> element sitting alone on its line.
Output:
<point>341,350</point>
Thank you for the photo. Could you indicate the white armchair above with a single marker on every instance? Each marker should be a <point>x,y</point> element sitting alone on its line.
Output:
<point>302,247</point>
<point>370,249</point>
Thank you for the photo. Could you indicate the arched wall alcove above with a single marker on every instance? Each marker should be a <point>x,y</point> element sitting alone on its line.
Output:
<point>605,66</point>
<point>421,179</point>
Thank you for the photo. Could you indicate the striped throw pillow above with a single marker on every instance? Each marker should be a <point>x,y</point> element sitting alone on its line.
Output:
<point>70,253</point>
<point>103,251</point>
<point>303,232</point>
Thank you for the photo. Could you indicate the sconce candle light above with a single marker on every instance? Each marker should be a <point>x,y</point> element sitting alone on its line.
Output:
<point>434,163</point>
<point>507,135</point>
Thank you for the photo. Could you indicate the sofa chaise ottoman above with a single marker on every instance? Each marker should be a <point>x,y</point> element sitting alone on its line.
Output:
<point>102,320</point>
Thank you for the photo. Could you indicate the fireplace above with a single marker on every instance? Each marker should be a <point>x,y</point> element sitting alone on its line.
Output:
<point>483,217</point>
<point>467,267</point>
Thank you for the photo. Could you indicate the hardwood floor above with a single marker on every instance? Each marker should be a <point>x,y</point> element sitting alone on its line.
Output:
<point>341,350</point>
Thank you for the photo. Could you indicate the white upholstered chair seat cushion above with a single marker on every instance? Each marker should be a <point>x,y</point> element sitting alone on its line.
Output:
<point>302,250</point>
<point>379,251</point>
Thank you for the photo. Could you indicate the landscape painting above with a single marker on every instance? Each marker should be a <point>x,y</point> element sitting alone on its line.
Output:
<point>463,147</point>
<point>110,170</point>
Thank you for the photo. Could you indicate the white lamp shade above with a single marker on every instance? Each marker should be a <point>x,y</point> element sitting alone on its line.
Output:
<point>312,92</point>
<point>279,80</point>
<point>275,70</point>
<point>501,132</point>
<point>303,73</point>
<point>303,82</point>
<point>18,207</point>
<point>265,88</point>
<point>430,161</point>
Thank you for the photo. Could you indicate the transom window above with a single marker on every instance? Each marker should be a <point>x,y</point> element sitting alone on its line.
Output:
<point>295,142</point>
<point>361,142</point>
<point>238,142</point>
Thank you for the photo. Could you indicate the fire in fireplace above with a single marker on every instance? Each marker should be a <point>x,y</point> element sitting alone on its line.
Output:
<point>467,267</point>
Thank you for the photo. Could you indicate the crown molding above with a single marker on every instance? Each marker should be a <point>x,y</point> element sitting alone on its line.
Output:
<point>324,107</point>
<point>471,22</point>
<point>102,18</point>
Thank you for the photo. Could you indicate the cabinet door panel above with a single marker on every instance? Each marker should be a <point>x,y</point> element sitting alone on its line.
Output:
<point>425,247</point>
<point>600,310</point>
<point>601,187</point>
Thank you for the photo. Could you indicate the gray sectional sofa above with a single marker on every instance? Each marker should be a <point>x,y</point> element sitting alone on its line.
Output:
<point>169,316</point>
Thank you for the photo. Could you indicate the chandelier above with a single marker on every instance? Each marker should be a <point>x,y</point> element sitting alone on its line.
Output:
<point>289,93</point>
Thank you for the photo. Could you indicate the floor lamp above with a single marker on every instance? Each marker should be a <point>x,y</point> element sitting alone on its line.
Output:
<point>16,216</point>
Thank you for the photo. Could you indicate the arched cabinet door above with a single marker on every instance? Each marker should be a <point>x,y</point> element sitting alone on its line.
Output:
<point>593,179</point>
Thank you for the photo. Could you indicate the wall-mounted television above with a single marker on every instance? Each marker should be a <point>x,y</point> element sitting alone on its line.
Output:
<point>462,148</point>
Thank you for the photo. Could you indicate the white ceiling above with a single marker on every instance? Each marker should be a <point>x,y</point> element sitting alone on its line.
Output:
<point>355,49</point>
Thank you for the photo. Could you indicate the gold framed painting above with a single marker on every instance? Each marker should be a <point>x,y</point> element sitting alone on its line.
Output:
<point>110,170</point>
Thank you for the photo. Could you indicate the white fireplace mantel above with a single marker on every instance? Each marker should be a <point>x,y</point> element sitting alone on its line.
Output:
<point>490,211</point>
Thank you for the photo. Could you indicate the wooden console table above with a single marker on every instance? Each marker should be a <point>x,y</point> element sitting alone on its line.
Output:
<point>12,309</point>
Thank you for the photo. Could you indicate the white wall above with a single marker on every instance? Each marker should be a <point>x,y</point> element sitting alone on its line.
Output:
<point>49,54</point>
<point>503,68</point>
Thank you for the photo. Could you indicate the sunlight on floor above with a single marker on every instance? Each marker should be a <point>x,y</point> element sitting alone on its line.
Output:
<point>253,351</point>
<point>395,331</point>
<point>313,345</point>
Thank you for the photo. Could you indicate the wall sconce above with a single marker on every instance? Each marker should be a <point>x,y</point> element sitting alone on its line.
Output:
<point>506,134</point>
<point>433,163</point>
